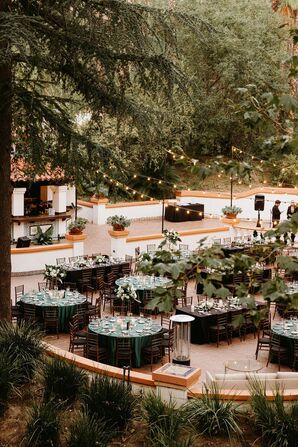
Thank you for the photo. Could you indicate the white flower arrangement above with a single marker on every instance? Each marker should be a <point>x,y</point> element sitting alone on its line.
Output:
<point>54,272</point>
<point>100,260</point>
<point>171,237</point>
<point>127,293</point>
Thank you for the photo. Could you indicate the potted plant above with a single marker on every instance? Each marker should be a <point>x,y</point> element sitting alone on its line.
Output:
<point>119,223</point>
<point>231,211</point>
<point>77,226</point>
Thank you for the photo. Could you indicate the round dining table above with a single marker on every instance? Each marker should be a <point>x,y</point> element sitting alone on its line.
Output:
<point>138,329</point>
<point>288,331</point>
<point>66,302</point>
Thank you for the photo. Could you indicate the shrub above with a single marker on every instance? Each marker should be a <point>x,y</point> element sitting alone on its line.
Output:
<point>278,425</point>
<point>7,376</point>
<point>164,420</point>
<point>86,431</point>
<point>43,426</point>
<point>62,381</point>
<point>110,400</point>
<point>213,416</point>
<point>23,345</point>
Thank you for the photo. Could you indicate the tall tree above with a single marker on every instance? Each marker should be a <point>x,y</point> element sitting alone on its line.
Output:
<point>55,52</point>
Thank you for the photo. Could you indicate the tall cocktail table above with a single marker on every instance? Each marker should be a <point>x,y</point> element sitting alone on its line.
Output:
<point>248,365</point>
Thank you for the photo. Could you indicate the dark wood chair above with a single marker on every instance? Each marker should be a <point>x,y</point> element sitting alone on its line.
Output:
<point>18,293</point>
<point>263,342</point>
<point>42,286</point>
<point>125,269</point>
<point>93,350</point>
<point>70,285</point>
<point>51,318</point>
<point>29,314</point>
<point>115,270</point>
<point>109,290</point>
<point>82,311</point>
<point>295,354</point>
<point>166,322</point>
<point>220,329</point>
<point>237,325</point>
<point>153,352</point>
<point>96,312</point>
<point>123,351</point>
<point>148,295</point>
<point>277,350</point>
<point>85,279</point>
<point>168,343</point>
<point>75,341</point>
<point>119,310</point>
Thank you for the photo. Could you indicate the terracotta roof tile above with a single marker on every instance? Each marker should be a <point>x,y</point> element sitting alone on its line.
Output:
<point>22,171</point>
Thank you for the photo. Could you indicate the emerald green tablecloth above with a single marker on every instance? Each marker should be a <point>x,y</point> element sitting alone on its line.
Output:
<point>67,305</point>
<point>139,332</point>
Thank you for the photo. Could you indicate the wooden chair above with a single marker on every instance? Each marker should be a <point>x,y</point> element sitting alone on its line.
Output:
<point>125,269</point>
<point>93,350</point>
<point>263,342</point>
<point>123,351</point>
<point>151,248</point>
<point>75,341</point>
<point>95,313</point>
<point>60,261</point>
<point>295,354</point>
<point>98,278</point>
<point>166,322</point>
<point>221,329</point>
<point>29,314</point>
<point>183,247</point>
<point>237,325</point>
<point>70,285</point>
<point>18,293</point>
<point>168,343</point>
<point>109,289</point>
<point>115,270</point>
<point>85,279</point>
<point>42,286</point>
<point>148,295</point>
<point>76,321</point>
<point>153,352</point>
<point>51,318</point>
<point>82,310</point>
<point>119,310</point>
<point>277,350</point>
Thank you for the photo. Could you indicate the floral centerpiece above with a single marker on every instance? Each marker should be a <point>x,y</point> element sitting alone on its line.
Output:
<point>127,293</point>
<point>171,237</point>
<point>54,273</point>
<point>119,223</point>
<point>100,259</point>
<point>231,211</point>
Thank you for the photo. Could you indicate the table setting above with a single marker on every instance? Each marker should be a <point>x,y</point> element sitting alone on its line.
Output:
<point>286,328</point>
<point>138,329</point>
<point>145,282</point>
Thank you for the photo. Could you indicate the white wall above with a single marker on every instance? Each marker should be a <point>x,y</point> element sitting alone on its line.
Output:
<point>215,205</point>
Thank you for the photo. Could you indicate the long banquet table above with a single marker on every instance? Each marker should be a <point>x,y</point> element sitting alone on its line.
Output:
<point>140,332</point>
<point>199,332</point>
<point>73,273</point>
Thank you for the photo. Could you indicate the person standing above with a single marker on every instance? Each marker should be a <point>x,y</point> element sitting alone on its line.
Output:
<point>292,209</point>
<point>276,213</point>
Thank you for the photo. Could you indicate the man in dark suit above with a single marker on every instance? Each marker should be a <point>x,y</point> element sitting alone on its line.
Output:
<point>276,214</point>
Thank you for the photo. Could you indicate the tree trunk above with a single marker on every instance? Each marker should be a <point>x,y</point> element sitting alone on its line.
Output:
<point>5,185</point>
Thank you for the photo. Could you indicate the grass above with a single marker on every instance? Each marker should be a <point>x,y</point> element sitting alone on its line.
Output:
<point>62,381</point>
<point>109,400</point>
<point>213,416</point>
<point>277,423</point>
<point>23,346</point>
<point>87,431</point>
<point>165,422</point>
<point>43,426</point>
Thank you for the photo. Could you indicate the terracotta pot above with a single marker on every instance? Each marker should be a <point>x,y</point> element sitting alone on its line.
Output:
<point>75,231</point>
<point>231,215</point>
<point>118,227</point>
